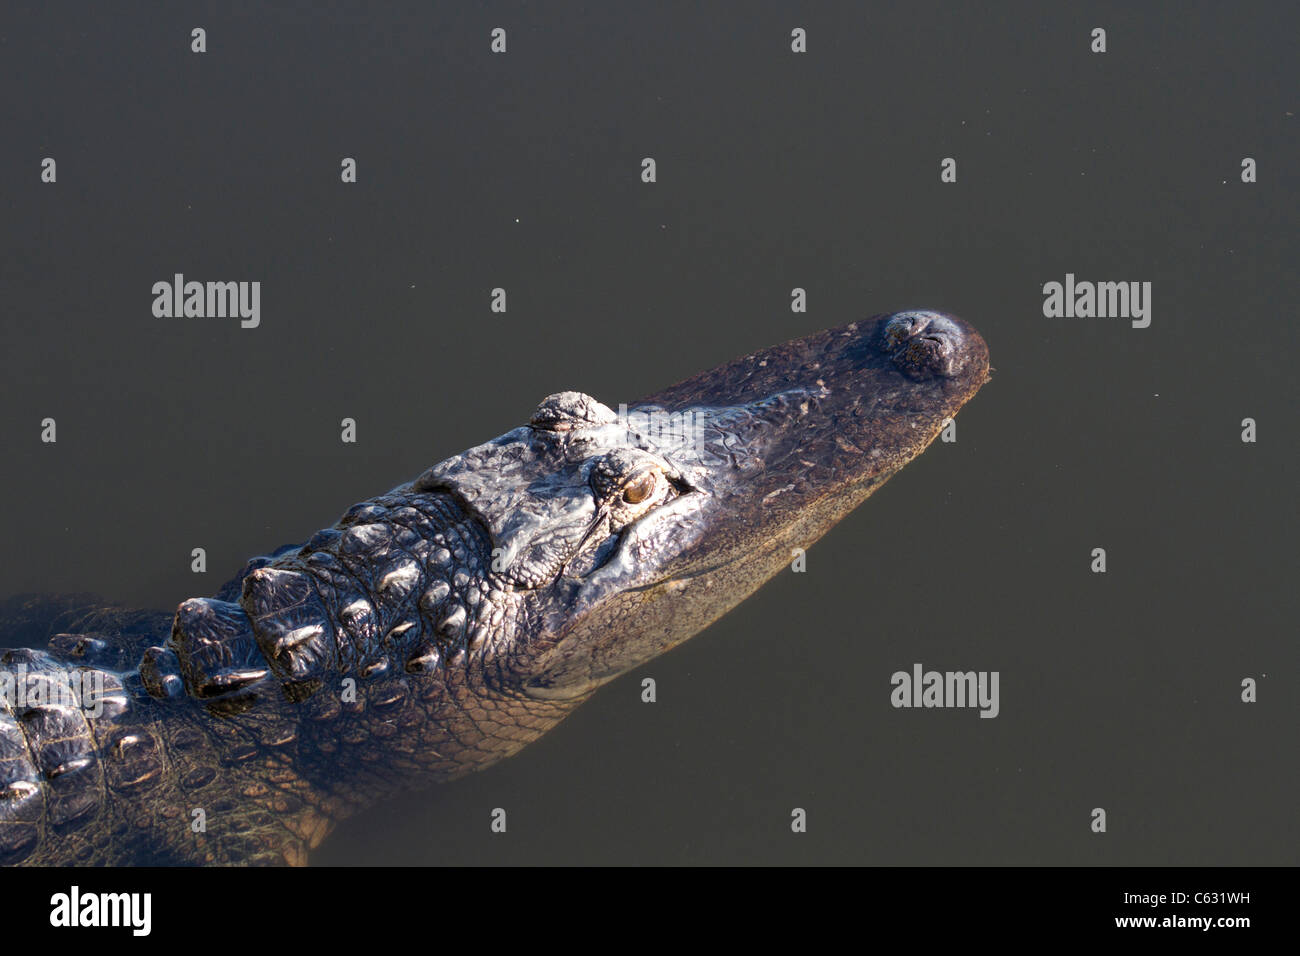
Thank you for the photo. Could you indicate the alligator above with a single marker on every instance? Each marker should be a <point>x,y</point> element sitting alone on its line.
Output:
<point>441,627</point>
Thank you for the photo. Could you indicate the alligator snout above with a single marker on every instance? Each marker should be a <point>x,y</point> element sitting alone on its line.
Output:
<point>924,344</point>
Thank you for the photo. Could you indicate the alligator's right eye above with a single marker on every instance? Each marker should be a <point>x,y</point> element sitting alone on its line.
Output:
<point>628,483</point>
<point>639,488</point>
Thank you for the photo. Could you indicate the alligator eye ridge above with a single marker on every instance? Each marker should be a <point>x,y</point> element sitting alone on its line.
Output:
<point>566,411</point>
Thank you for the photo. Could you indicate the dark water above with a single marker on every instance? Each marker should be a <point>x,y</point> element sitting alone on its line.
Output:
<point>775,170</point>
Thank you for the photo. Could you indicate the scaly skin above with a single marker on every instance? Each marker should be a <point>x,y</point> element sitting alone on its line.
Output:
<point>442,626</point>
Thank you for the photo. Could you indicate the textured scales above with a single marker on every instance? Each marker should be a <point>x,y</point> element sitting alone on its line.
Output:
<point>444,625</point>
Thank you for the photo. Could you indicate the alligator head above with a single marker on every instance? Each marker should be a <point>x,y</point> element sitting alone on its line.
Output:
<point>634,530</point>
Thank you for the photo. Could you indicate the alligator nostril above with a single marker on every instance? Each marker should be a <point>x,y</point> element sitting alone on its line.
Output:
<point>923,344</point>
<point>898,330</point>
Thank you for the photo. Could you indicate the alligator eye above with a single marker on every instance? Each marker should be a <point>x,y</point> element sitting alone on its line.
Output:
<point>639,488</point>
<point>628,483</point>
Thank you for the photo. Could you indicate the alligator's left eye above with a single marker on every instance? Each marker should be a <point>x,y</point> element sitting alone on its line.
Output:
<point>627,483</point>
<point>639,488</point>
